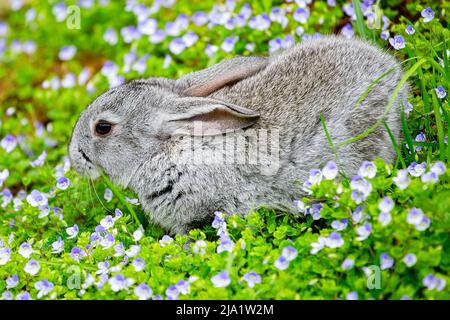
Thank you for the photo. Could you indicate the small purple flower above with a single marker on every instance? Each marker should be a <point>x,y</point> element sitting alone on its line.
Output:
<point>210,50</point>
<point>108,195</point>
<point>334,240</point>
<point>143,291</point>
<point>348,31</point>
<point>429,177</point>
<point>438,168</point>
<point>367,170</point>
<point>172,293</point>
<point>281,263</point>
<point>423,224</point>
<point>25,250</point>
<point>183,287</point>
<point>339,225</point>
<point>138,264</point>
<point>165,240</point>
<point>289,253</point>
<point>200,18</point>
<point>221,280</point>
<point>330,170</point>
<point>434,283</point>
<point>410,259</point>
<point>410,30</point>
<point>12,282</point>
<point>408,107</point>
<point>386,261</point>
<point>72,231</point>
<point>402,180</point>
<point>7,295</point>
<point>110,36</point>
<point>398,42</point>
<point>348,264</point>
<point>107,241</point>
<point>77,254</point>
<point>384,218</point>
<point>363,231</point>
<point>317,246</point>
<point>384,35</point>
<point>440,92</point>
<point>67,53</point>
<point>37,199</point>
<point>44,287</point>
<point>32,267</point>
<point>301,15</point>
<point>119,282</point>
<point>420,138</point>
<point>69,81</point>
<point>226,244</point>
<point>62,183</point>
<point>229,43</point>
<point>130,33</point>
<point>177,46</point>
<point>5,255</point>
<point>119,250</point>
<point>107,222</point>
<point>315,176</point>
<point>251,278</point>
<point>427,14</point>
<point>416,170</point>
<point>23,296</point>
<point>260,22</point>
<point>147,26</point>
<point>199,247</point>
<point>386,205</point>
<point>9,143</point>
<point>352,296</point>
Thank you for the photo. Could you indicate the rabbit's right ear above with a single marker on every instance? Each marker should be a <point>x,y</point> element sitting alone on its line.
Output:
<point>203,83</point>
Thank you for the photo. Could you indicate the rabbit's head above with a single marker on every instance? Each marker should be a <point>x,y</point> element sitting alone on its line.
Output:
<point>128,125</point>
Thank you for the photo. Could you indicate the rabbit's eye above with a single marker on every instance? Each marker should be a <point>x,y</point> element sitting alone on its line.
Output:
<point>103,128</point>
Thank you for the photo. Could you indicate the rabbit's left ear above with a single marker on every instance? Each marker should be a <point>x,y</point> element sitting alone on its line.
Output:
<point>203,83</point>
<point>207,117</point>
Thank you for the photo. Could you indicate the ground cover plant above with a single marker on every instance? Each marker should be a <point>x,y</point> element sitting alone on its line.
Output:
<point>383,234</point>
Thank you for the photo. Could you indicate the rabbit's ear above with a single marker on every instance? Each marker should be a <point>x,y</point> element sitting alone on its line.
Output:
<point>203,83</point>
<point>207,117</point>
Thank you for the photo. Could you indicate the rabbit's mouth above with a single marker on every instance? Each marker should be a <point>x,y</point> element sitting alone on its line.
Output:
<point>84,155</point>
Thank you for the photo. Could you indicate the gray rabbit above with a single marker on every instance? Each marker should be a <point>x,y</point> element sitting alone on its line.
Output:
<point>165,138</point>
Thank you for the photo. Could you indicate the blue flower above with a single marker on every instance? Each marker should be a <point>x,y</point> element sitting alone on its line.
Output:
<point>177,45</point>
<point>289,253</point>
<point>172,293</point>
<point>301,15</point>
<point>330,170</point>
<point>60,11</point>
<point>6,295</point>
<point>410,30</point>
<point>226,244</point>
<point>62,183</point>
<point>353,295</point>
<point>229,43</point>
<point>138,264</point>
<point>32,267</point>
<point>23,296</point>
<point>67,53</point>
<point>5,255</point>
<point>130,33</point>
<point>25,250</point>
<point>398,42</point>
<point>315,176</point>
<point>367,170</point>
<point>440,92</point>
<point>251,278</point>
<point>119,282</point>
<point>200,18</point>
<point>107,222</point>
<point>384,35</point>
<point>108,195</point>
<point>434,283</point>
<point>429,177</point>
<point>410,259</point>
<point>281,263</point>
<point>72,231</point>
<point>334,240</point>
<point>348,31</point>
<point>386,262</point>
<point>199,247</point>
<point>12,282</point>
<point>37,199</point>
<point>77,254</point>
<point>210,50</point>
<point>339,225</point>
<point>9,143</point>
<point>386,205</point>
<point>44,287</point>
<point>438,168</point>
<point>402,180</point>
<point>183,287</point>
<point>221,280</point>
<point>260,22</point>
<point>427,14</point>
<point>143,291</point>
<point>147,26</point>
<point>317,246</point>
<point>348,263</point>
<point>416,170</point>
<point>165,240</point>
<point>110,36</point>
<point>363,231</point>
<point>420,138</point>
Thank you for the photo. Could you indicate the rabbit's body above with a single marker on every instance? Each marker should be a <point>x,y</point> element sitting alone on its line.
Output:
<point>285,94</point>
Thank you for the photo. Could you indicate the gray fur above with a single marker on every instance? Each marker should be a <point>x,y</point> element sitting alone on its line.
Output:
<point>148,150</point>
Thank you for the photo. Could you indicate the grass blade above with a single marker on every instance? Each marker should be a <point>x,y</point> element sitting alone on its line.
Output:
<point>395,145</point>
